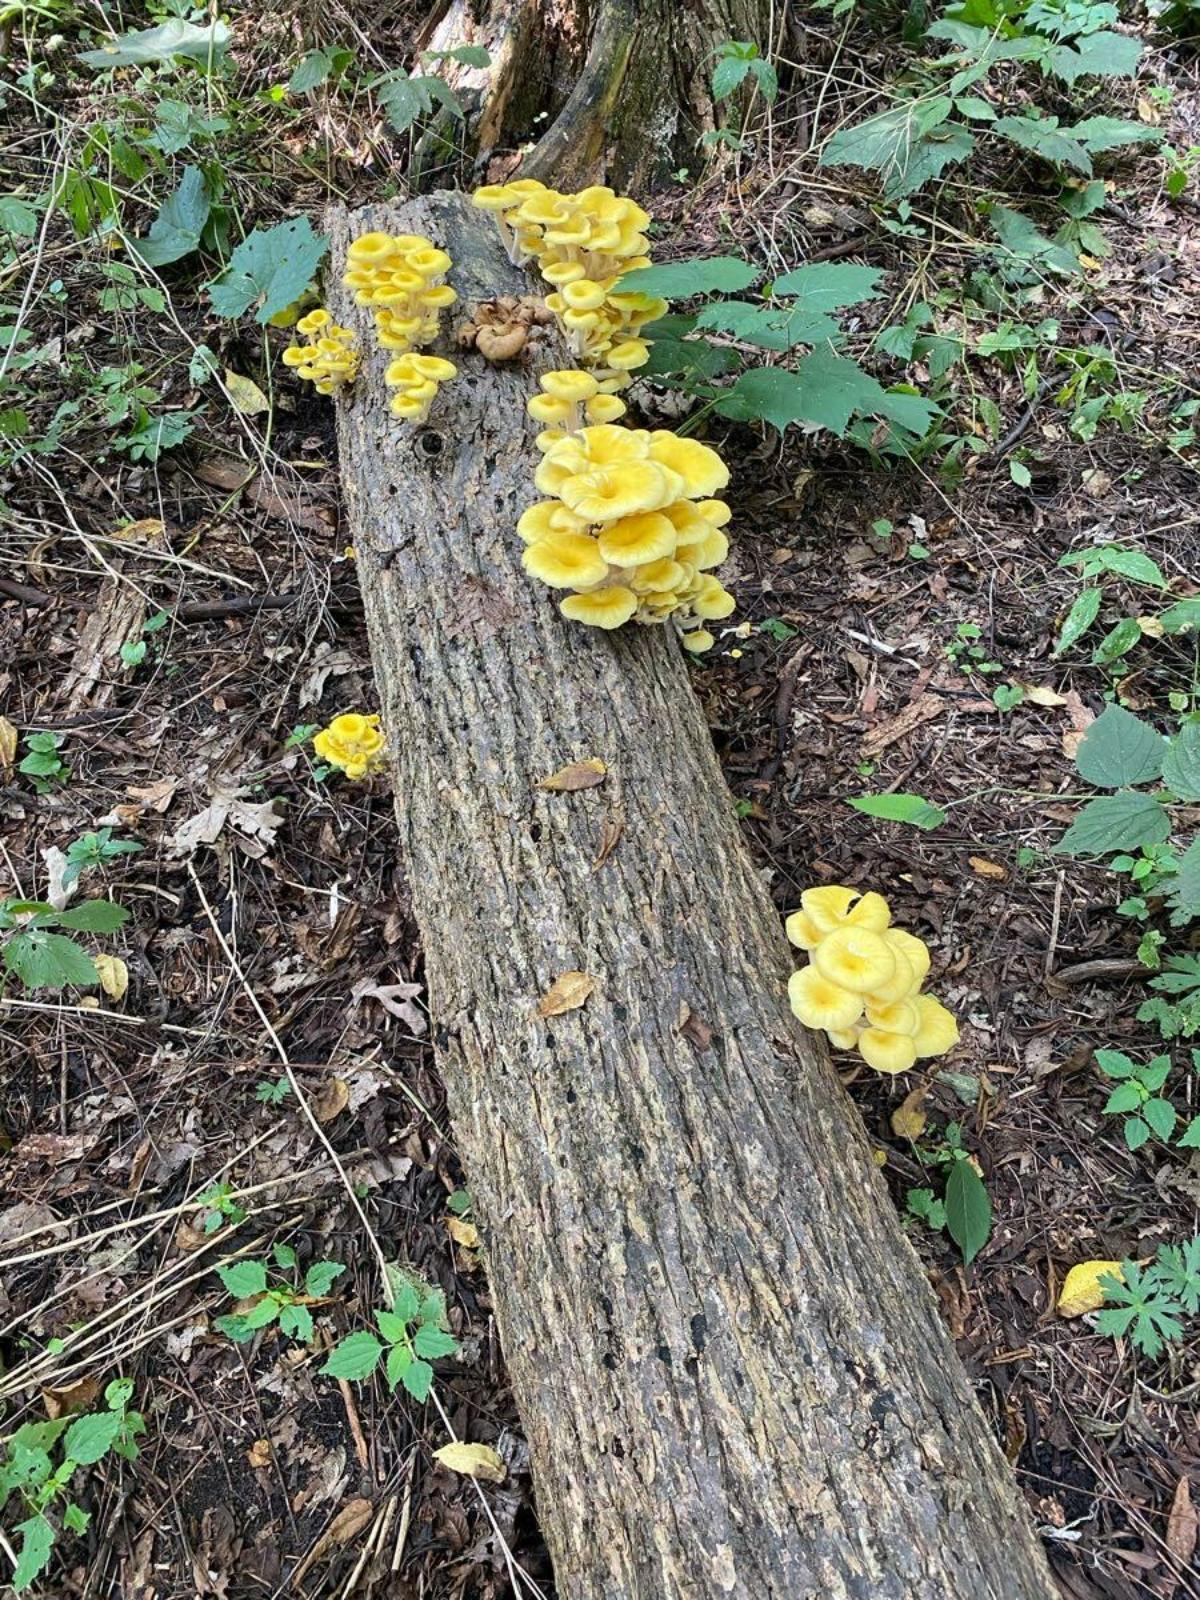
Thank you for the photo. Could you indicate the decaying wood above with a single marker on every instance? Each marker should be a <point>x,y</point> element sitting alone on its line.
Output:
<point>730,1367</point>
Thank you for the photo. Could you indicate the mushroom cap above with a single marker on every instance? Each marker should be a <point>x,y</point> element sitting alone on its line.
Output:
<point>583,295</point>
<point>494,197</point>
<point>886,1052</point>
<point>711,550</point>
<point>937,1030</point>
<point>656,579</point>
<point>545,408</point>
<point>439,297</point>
<point>560,273</point>
<point>802,931</point>
<point>904,982</point>
<point>842,1038</point>
<point>605,445</point>
<point>578,321</point>
<point>407,407</point>
<point>632,541</point>
<point>296,355</point>
<point>628,354</point>
<point>603,608</point>
<point>900,1016</point>
<point>569,384</point>
<point>314,321</point>
<point>401,371</point>
<point>855,957</point>
<point>428,260</point>
<point>604,408</point>
<point>606,494</point>
<point>544,518</point>
<point>554,470</point>
<point>565,560</point>
<point>712,601</point>
<point>915,951</point>
<point>701,469</point>
<point>822,1004</point>
<point>370,249</point>
<point>435,367</point>
<point>714,511</point>
<point>834,906</point>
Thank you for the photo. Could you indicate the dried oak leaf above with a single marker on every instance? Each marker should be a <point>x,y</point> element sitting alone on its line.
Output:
<point>567,993</point>
<point>574,776</point>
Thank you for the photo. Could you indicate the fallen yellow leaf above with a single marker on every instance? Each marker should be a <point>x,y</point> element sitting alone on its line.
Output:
<point>1081,1289</point>
<point>473,1460</point>
<point>8,743</point>
<point>577,775</point>
<point>908,1119</point>
<point>332,1100</point>
<point>113,975</point>
<point>245,396</point>
<point>1151,627</point>
<point>147,530</point>
<point>1037,694</point>
<point>984,868</point>
<point>566,994</point>
<point>463,1233</point>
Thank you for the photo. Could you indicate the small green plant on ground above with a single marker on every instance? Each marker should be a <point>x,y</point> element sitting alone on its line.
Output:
<point>92,850</point>
<point>282,1300</point>
<point>410,1336</point>
<point>1137,1100</point>
<point>966,652</point>
<point>1149,1305</point>
<point>44,959</point>
<point>40,1462</point>
<point>43,764</point>
<point>220,1208</point>
<point>965,1209</point>
<point>272,1092</point>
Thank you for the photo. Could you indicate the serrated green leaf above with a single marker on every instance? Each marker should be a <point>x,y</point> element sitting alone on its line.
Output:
<point>91,1437</point>
<point>1099,134</point>
<point>968,1210</point>
<point>1125,1097</point>
<point>1126,820</point>
<point>1136,1133</point>
<point>269,269</point>
<point>244,1278</point>
<point>1117,642</point>
<point>684,279</point>
<point>884,143</point>
<point>17,218</point>
<point>321,1276</point>
<point>1181,764</point>
<point>468,55</point>
<point>1183,892</point>
<point>928,159</point>
<point>1022,238</point>
<point>826,389</point>
<point>296,1322</point>
<point>910,808</point>
<point>205,45</point>
<point>829,285</point>
<point>176,230</point>
<point>417,1378</point>
<point>355,1358</point>
<point>94,916</point>
<point>399,1359</point>
<point>316,67</point>
<point>1119,750</point>
<point>1079,619</point>
<point>394,1328</point>
<point>1115,1064</point>
<point>37,1541</point>
<point>768,327</point>
<point>262,1313</point>
<point>48,960</point>
<point>407,1302</point>
<point>433,1342</point>
<point>1100,55</point>
<point>1042,137</point>
<point>1189,1139</point>
<point>728,76</point>
<point>76,1519</point>
<point>1161,1116</point>
<point>235,1327</point>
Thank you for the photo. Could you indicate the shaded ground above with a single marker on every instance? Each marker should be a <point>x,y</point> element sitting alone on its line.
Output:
<point>287,902</point>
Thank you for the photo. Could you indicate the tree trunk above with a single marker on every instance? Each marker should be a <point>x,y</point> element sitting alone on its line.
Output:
<point>626,83</point>
<point>730,1367</point>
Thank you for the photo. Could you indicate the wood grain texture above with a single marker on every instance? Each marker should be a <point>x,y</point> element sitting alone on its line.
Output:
<point>730,1368</point>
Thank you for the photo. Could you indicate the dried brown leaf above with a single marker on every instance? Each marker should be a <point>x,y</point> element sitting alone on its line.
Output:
<point>1183,1523</point>
<point>472,1460</point>
<point>577,775</point>
<point>983,868</point>
<point>332,1100</point>
<point>567,993</point>
<point>908,1119</point>
<point>8,744</point>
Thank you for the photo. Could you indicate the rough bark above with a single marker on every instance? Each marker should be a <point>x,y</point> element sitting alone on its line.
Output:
<point>625,82</point>
<point>730,1368</point>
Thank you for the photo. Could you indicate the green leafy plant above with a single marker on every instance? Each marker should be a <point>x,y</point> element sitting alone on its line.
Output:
<point>1136,1097</point>
<point>40,1462</point>
<point>268,270</point>
<point>44,959</point>
<point>909,808</point>
<point>93,850</point>
<point>220,1208</point>
<point>285,1301</point>
<point>272,1092</point>
<point>967,654</point>
<point>43,763</point>
<point>410,1336</point>
<point>965,1209</point>
<point>1149,1305</point>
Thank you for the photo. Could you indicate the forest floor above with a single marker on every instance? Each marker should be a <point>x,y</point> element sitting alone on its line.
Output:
<point>268,1077</point>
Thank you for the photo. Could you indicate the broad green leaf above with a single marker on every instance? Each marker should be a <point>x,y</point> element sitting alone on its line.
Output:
<point>1125,1097</point>
<point>1182,617</point>
<point>407,1304</point>
<point>768,327</point>
<point>49,960</point>
<point>828,285</point>
<point>321,1275</point>
<point>928,159</point>
<point>296,1322</point>
<point>1119,750</point>
<point>1117,642</point>
<point>1101,55</point>
<point>1115,1064</point>
<point>356,1357</point>
<point>1183,890</point>
<point>1099,134</point>
<point>1079,619</point>
<point>1135,565</point>
<point>393,1328</point>
<point>671,352</point>
<point>1136,1133</point>
<point>235,1327</point>
<point>467,55</point>
<point>826,389</point>
<point>316,67</point>
<point>1043,137</point>
<point>164,43</point>
<point>94,916</point>
<point>432,1342</point>
<point>244,1278</point>
<point>91,1437</point>
<point>1161,1115</point>
<point>1126,820</point>
<point>17,218</point>
<point>884,143</point>
<point>269,269</point>
<point>1019,236</point>
<point>176,230</point>
<point>1181,764</point>
<point>399,1359</point>
<point>968,1210</point>
<point>76,1519</point>
<point>418,1379</point>
<point>728,76</point>
<point>910,808</point>
<point>683,279</point>
<point>262,1313</point>
<point>406,98</point>
<point>1189,1139</point>
<point>37,1541</point>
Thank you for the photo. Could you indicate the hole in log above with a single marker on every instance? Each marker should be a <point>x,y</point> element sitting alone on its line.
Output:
<point>428,444</point>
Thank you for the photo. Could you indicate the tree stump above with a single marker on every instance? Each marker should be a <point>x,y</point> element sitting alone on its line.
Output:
<point>730,1367</point>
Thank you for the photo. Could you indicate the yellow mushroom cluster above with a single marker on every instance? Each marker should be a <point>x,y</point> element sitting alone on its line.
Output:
<point>629,526</point>
<point>863,983</point>
<point>582,243</point>
<point>329,359</point>
<point>415,379</point>
<point>353,742</point>
<point>400,278</point>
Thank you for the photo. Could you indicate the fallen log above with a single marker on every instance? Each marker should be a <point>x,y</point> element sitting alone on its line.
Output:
<point>730,1367</point>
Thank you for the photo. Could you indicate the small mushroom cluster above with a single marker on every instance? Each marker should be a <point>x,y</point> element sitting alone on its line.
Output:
<point>353,742</point>
<point>501,328</point>
<point>630,527</point>
<point>416,378</point>
<point>582,243</point>
<point>863,984</point>
<point>329,359</point>
<point>400,278</point>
